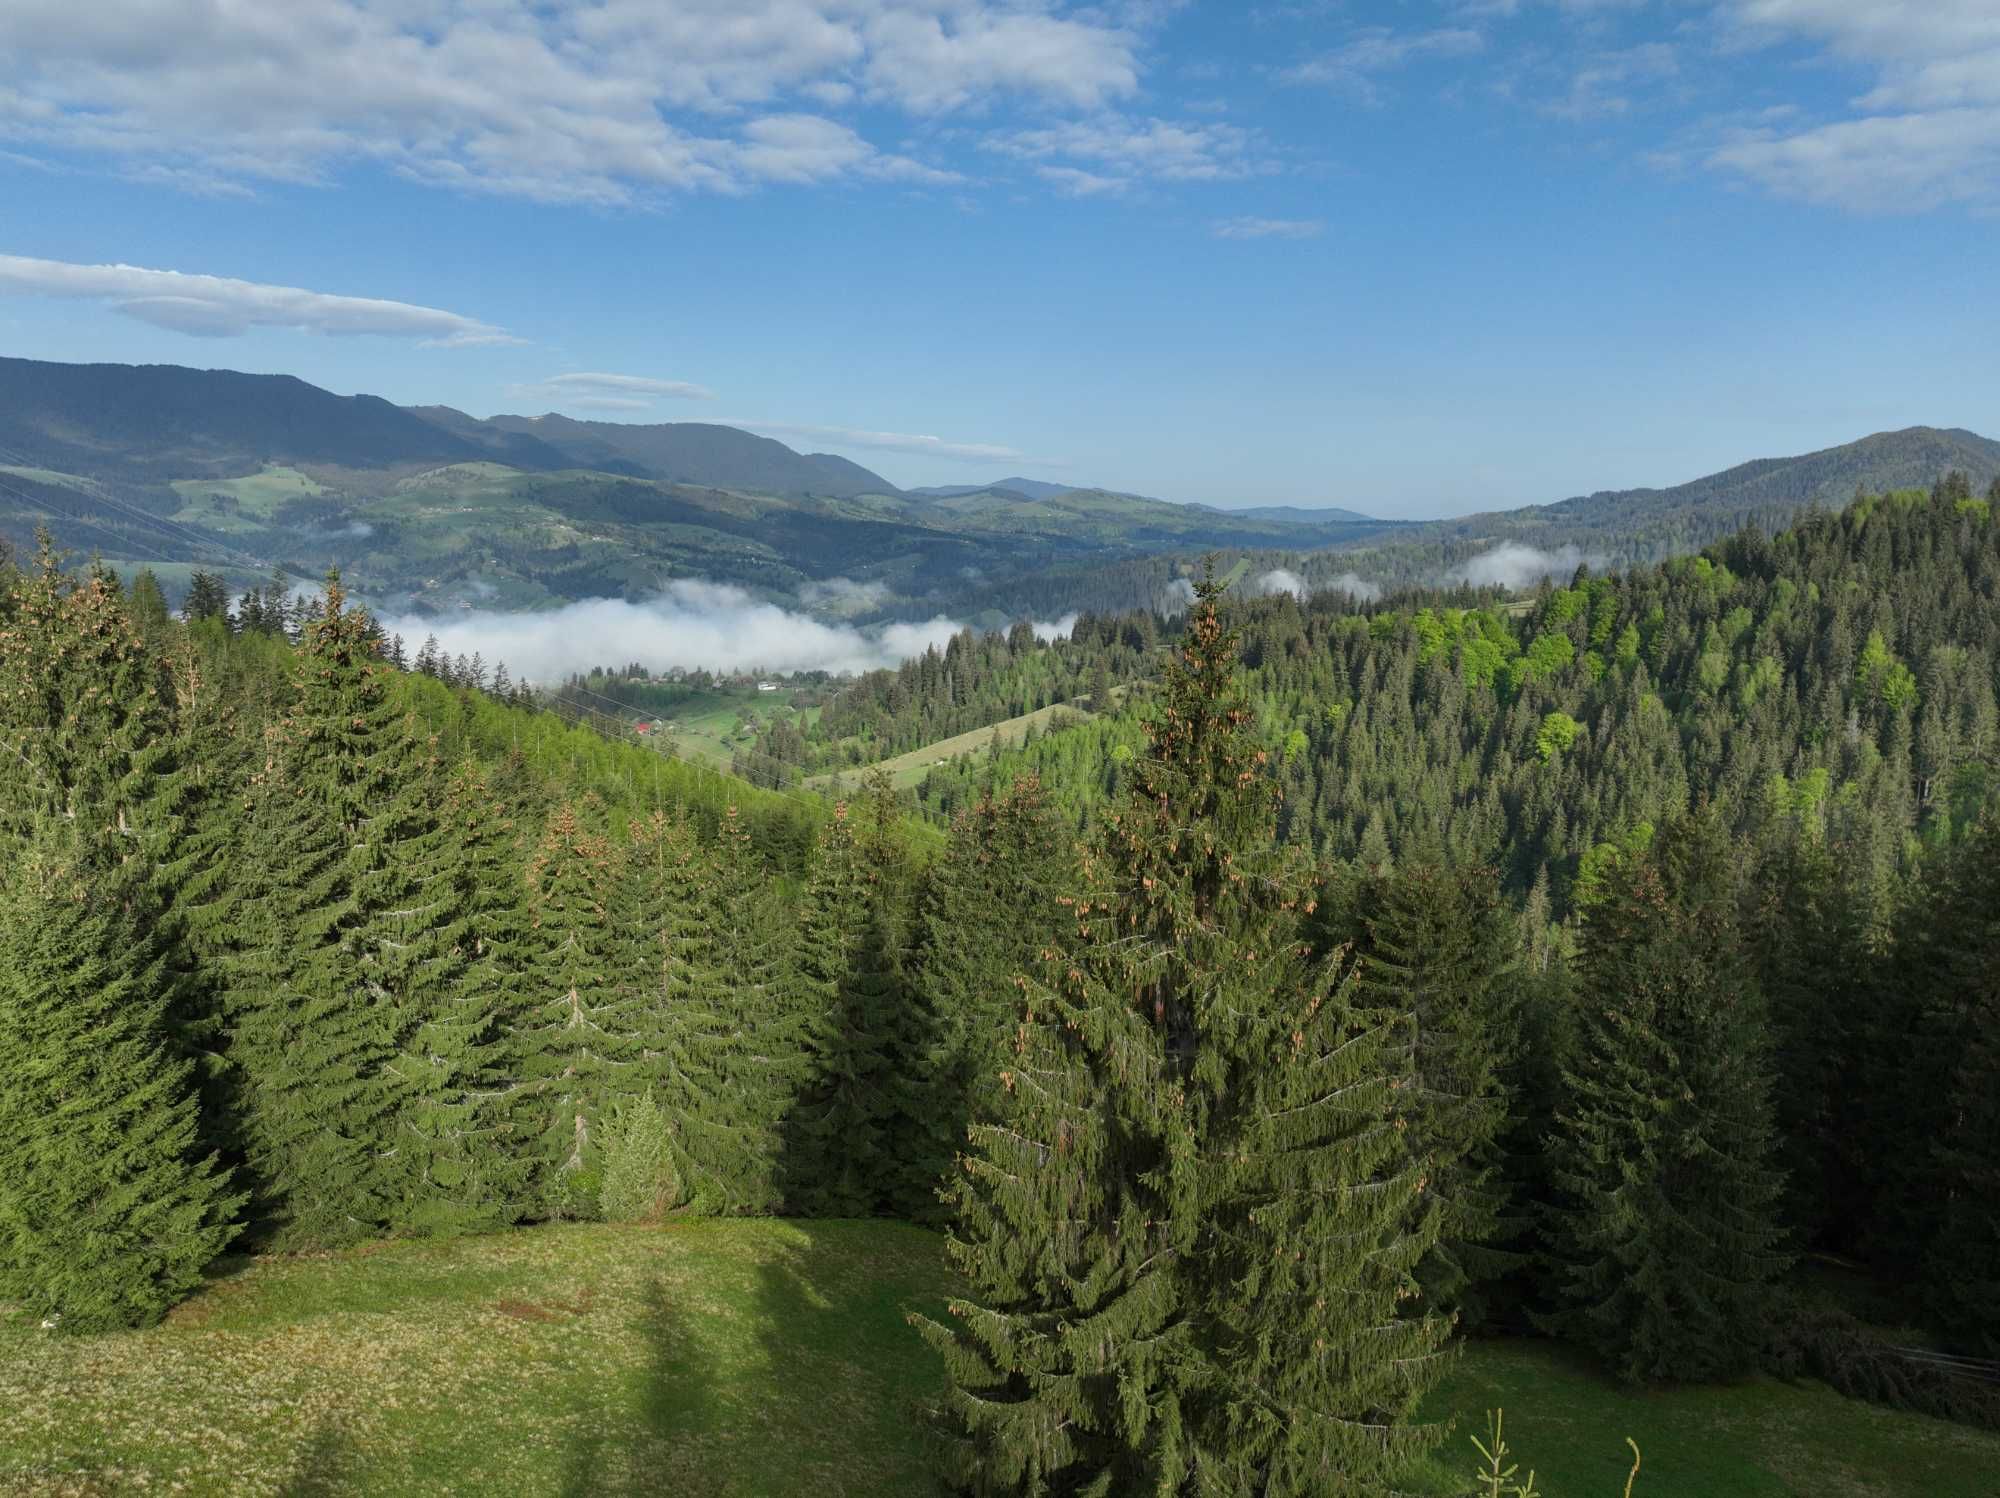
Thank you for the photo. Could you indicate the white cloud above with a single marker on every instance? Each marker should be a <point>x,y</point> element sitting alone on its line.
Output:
<point>1883,164</point>
<point>1268,228</point>
<point>1053,629</point>
<point>1284,580</point>
<point>590,101</point>
<point>1279,580</point>
<point>1925,135</point>
<point>1118,151</point>
<point>895,442</point>
<point>1605,83</point>
<point>1077,183</point>
<point>1354,66</point>
<point>1355,586</point>
<point>219,307</point>
<point>1511,565</point>
<point>690,624</point>
<point>570,386</point>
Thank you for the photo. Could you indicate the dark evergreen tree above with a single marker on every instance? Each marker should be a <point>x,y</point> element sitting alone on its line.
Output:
<point>1963,1260</point>
<point>459,939</point>
<point>1192,1240</point>
<point>750,944</point>
<point>987,908</point>
<point>1665,1234</point>
<point>704,1034</point>
<point>108,1212</point>
<point>1436,944</point>
<point>338,941</point>
<point>580,1042</point>
<point>843,985</point>
<point>1808,943</point>
<point>206,598</point>
<point>85,722</point>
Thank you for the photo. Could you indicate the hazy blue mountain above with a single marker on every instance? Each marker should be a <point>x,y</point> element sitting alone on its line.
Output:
<point>150,422</point>
<point>1296,515</point>
<point>430,507</point>
<point>1017,488</point>
<point>1909,458</point>
<point>695,452</point>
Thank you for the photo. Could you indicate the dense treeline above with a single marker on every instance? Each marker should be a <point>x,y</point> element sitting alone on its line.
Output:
<point>1845,672</point>
<point>1231,1131</point>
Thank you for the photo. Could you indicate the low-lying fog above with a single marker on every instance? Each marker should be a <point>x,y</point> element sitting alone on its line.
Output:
<point>719,627</point>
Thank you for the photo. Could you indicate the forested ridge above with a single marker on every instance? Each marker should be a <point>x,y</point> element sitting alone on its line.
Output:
<point>1382,975</point>
<point>1842,672</point>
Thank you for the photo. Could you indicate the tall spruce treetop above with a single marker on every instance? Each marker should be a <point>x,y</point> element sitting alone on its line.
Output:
<point>1436,944</point>
<point>696,1049</point>
<point>1666,1230</point>
<point>85,723</point>
<point>341,948</point>
<point>985,911</point>
<point>581,1042</point>
<point>1192,1239</point>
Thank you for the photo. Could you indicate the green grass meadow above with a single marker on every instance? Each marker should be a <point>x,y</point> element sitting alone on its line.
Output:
<point>748,1358</point>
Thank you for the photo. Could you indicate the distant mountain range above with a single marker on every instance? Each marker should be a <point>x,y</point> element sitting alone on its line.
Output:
<point>427,507</point>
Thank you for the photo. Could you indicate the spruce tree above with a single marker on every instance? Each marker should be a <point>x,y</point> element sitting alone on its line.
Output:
<point>108,1212</point>
<point>580,1043</point>
<point>1809,945</point>
<point>1435,944</point>
<point>835,1141</point>
<point>1192,1239</point>
<point>85,719</point>
<point>984,915</point>
<point>1963,1260</point>
<point>768,1056</point>
<point>339,949</point>
<point>699,1045</point>
<point>453,1167</point>
<point>1665,1232</point>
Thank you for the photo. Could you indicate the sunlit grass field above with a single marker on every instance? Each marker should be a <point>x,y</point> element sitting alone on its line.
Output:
<point>746,1358</point>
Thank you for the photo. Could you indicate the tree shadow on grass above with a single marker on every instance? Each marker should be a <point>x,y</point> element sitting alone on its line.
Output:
<point>326,1467</point>
<point>634,1439</point>
<point>832,1303</point>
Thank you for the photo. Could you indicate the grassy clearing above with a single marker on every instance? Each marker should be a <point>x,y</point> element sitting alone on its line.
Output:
<point>730,1359</point>
<point>906,770</point>
<point>242,504</point>
<point>705,726</point>
<point>1755,1439</point>
<point>696,1359</point>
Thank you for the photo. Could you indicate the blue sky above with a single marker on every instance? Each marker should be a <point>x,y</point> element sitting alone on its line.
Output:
<point>1413,258</point>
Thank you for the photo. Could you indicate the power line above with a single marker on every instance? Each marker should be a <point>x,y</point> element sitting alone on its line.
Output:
<point>120,537</point>
<point>173,528</point>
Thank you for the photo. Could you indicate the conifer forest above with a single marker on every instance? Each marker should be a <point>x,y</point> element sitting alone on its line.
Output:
<point>1328,986</point>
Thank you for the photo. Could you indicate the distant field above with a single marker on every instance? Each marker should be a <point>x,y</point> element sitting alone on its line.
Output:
<point>748,1359</point>
<point>242,504</point>
<point>705,727</point>
<point>906,770</point>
